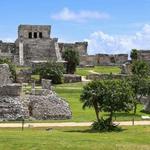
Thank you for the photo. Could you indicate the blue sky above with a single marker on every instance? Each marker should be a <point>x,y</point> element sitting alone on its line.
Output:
<point>110,26</point>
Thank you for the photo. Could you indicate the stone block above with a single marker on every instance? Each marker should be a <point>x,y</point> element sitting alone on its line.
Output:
<point>71,78</point>
<point>46,84</point>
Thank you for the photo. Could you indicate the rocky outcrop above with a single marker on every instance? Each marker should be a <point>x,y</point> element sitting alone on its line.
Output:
<point>5,75</point>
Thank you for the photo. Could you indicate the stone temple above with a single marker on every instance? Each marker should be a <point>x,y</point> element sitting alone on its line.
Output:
<point>35,44</point>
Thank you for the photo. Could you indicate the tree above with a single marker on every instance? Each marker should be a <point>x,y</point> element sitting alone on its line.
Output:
<point>92,97</point>
<point>139,81</point>
<point>51,70</point>
<point>134,55</point>
<point>72,58</point>
<point>108,96</point>
<point>117,97</point>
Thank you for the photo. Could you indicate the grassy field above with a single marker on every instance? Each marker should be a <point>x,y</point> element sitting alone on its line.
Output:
<point>71,92</point>
<point>130,138</point>
<point>98,69</point>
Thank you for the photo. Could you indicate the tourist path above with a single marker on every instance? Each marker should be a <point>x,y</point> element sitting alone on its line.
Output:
<point>66,124</point>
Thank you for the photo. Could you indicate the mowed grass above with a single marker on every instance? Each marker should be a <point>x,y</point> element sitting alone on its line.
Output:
<point>71,92</point>
<point>130,138</point>
<point>98,69</point>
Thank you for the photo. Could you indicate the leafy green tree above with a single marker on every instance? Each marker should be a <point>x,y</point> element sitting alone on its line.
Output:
<point>117,97</point>
<point>108,96</point>
<point>51,70</point>
<point>92,97</point>
<point>134,55</point>
<point>72,58</point>
<point>139,79</point>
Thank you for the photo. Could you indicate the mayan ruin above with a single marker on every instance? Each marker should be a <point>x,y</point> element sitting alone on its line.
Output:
<point>35,44</point>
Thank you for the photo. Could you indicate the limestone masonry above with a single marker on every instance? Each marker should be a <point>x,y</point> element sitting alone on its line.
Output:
<point>35,45</point>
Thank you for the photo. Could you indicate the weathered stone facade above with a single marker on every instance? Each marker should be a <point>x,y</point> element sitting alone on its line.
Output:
<point>80,47</point>
<point>144,55</point>
<point>5,75</point>
<point>44,104</point>
<point>34,44</point>
<point>72,78</point>
<point>104,59</point>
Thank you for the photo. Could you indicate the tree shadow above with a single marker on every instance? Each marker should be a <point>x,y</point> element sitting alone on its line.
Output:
<point>118,129</point>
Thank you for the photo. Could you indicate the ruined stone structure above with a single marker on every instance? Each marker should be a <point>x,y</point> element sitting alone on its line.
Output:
<point>35,45</point>
<point>80,47</point>
<point>144,55</point>
<point>104,59</point>
<point>15,105</point>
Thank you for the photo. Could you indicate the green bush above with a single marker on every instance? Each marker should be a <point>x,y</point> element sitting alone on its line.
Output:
<point>51,70</point>
<point>104,125</point>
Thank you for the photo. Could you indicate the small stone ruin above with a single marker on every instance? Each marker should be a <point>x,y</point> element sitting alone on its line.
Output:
<point>44,105</point>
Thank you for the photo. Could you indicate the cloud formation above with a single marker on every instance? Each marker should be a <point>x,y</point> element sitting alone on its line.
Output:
<point>100,42</point>
<point>68,15</point>
<point>7,39</point>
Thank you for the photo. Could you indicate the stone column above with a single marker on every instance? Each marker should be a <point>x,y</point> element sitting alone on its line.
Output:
<point>21,58</point>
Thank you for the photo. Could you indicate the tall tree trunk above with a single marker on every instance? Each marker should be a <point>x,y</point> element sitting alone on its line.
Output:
<point>111,116</point>
<point>96,111</point>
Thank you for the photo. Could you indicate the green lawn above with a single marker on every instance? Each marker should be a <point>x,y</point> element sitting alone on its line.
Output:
<point>98,69</point>
<point>130,138</point>
<point>71,92</point>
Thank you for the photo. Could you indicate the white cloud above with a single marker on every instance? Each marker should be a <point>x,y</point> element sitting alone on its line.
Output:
<point>7,39</point>
<point>100,42</point>
<point>68,15</point>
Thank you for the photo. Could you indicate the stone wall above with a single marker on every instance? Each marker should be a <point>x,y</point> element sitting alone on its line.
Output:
<point>144,55</point>
<point>104,59</point>
<point>24,30</point>
<point>81,47</point>
<point>94,76</point>
<point>5,75</point>
<point>23,76</point>
<point>11,90</point>
<point>46,84</point>
<point>7,50</point>
<point>72,78</point>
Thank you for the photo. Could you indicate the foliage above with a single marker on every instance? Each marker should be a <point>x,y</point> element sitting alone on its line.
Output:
<point>104,125</point>
<point>139,81</point>
<point>134,55</point>
<point>108,96</point>
<point>11,67</point>
<point>72,58</point>
<point>51,70</point>
<point>92,96</point>
<point>140,69</point>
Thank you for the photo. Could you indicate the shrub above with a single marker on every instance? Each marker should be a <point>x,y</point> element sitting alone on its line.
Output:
<point>51,70</point>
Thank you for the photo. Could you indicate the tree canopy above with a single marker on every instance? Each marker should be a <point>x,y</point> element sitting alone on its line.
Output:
<point>108,96</point>
<point>72,58</point>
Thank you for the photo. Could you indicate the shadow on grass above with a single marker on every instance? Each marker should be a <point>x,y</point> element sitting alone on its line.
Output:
<point>123,115</point>
<point>118,129</point>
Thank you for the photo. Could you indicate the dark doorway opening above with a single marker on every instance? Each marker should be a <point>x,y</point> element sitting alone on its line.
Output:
<point>35,35</point>
<point>30,35</point>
